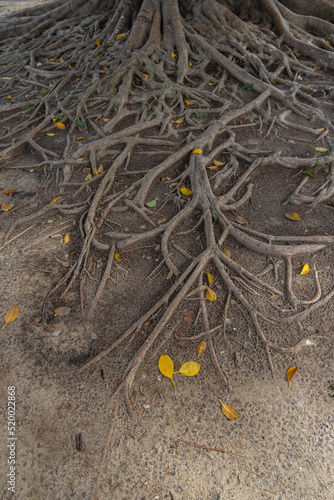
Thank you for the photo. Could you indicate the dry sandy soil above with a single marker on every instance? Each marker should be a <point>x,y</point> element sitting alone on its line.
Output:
<point>280,448</point>
<point>10,5</point>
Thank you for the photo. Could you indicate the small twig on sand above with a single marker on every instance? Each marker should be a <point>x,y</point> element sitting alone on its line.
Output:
<point>227,303</point>
<point>105,451</point>
<point>81,287</point>
<point>250,470</point>
<point>217,365</point>
<point>36,241</point>
<point>167,337</point>
<point>199,335</point>
<point>58,285</point>
<point>209,448</point>
<point>136,484</point>
<point>15,237</point>
<point>149,277</point>
<point>103,281</point>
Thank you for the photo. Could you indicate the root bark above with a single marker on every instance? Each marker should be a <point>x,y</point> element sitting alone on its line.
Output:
<point>178,81</point>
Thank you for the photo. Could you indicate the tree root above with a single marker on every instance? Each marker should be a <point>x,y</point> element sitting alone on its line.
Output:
<point>178,81</point>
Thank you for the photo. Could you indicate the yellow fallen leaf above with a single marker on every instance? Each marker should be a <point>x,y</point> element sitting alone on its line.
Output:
<point>106,119</point>
<point>144,74</point>
<point>226,252</point>
<point>190,63</point>
<point>117,257</point>
<point>66,238</point>
<point>105,68</point>
<point>197,152</point>
<point>328,42</point>
<point>320,129</point>
<point>39,64</point>
<point>50,134</point>
<point>186,102</point>
<point>290,373</point>
<point>11,315</point>
<point>10,191</point>
<point>80,159</point>
<point>316,67</point>
<point>118,37</point>
<point>80,138</point>
<point>174,55</point>
<point>60,125</point>
<point>42,91</point>
<point>166,366</point>
<point>186,191</point>
<point>6,207</point>
<point>61,60</point>
<point>211,83</point>
<point>210,278</point>
<point>210,294</point>
<point>201,347</point>
<point>88,177</point>
<point>100,169</point>
<point>213,167</point>
<point>322,150</point>
<point>98,43</point>
<point>293,216</point>
<point>180,120</point>
<point>218,163</point>
<point>190,369</point>
<point>54,199</point>
<point>52,59</point>
<point>229,412</point>
<point>305,270</point>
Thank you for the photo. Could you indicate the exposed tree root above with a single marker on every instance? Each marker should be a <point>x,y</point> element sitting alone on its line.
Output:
<point>178,81</point>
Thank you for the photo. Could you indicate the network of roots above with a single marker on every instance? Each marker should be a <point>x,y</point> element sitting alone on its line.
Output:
<point>174,83</point>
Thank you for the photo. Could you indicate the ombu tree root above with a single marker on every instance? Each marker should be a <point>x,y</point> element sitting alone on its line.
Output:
<point>179,81</point>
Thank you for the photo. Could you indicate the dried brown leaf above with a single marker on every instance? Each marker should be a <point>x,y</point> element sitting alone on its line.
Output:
<point>241,220</point>
<point>201,347</point>
<point>62,311</point>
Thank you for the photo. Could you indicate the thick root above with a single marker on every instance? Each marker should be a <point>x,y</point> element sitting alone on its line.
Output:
<point>179,82</point>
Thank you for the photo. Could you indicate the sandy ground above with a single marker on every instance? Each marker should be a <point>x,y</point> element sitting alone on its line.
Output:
<point>10,5</point>
<point>282,444</point>
<point>280,448</point>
